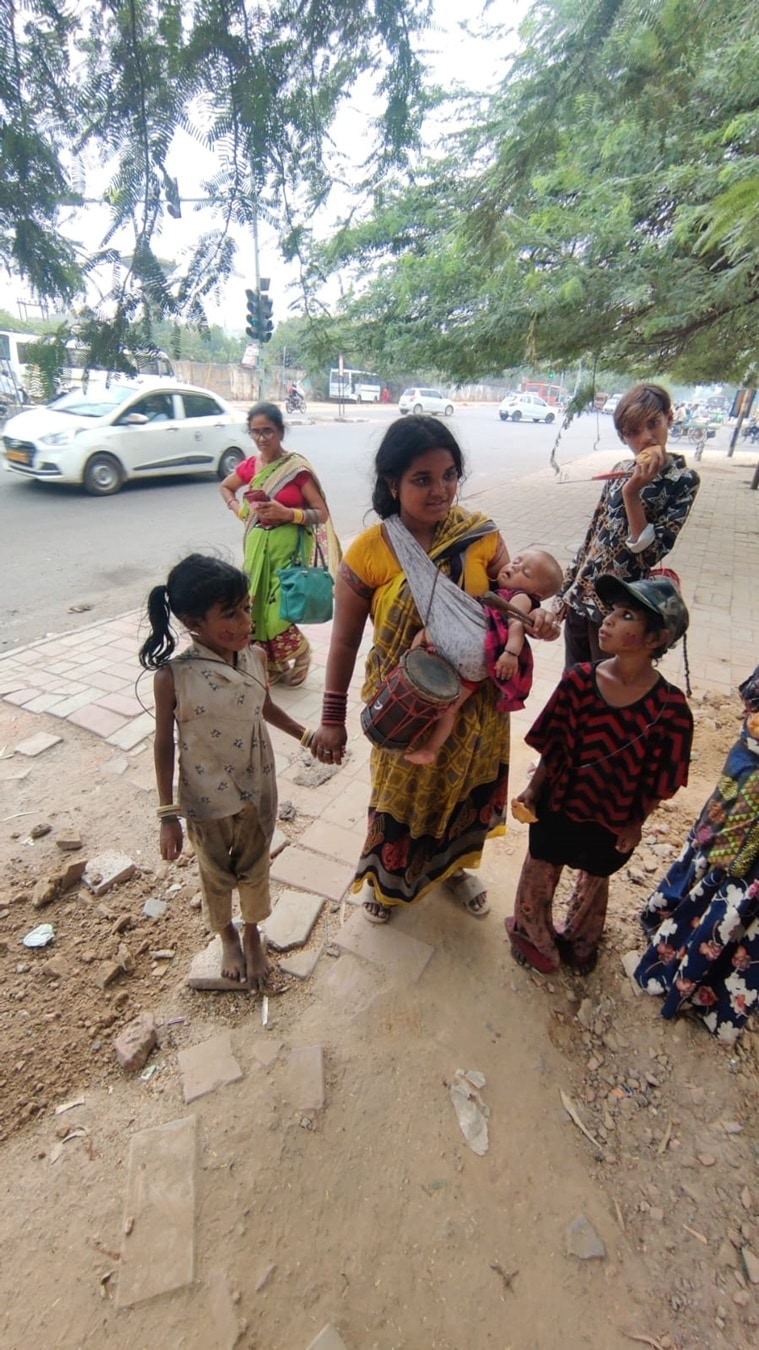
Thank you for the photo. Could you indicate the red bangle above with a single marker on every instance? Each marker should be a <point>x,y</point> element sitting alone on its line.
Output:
<point>334,708</point>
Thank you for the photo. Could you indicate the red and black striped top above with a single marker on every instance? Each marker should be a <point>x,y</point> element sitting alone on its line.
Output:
<point>611,765</point>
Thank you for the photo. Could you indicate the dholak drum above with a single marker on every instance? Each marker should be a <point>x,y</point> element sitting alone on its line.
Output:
<point>412,698</point>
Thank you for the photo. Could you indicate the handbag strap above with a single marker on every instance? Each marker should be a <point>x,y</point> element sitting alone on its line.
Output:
<point>300,556</point>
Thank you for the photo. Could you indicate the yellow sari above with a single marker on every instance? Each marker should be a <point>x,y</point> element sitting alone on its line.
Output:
<point>427,821</point>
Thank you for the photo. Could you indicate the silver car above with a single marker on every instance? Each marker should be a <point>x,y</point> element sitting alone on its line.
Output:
<point>418,400</point>
<point>143,428</point>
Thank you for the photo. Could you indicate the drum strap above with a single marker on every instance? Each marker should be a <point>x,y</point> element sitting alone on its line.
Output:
<point>455,621</point>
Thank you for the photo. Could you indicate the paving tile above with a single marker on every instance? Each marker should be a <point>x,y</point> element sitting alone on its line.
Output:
<point>329,1338</point>
<point>73,702</point>
<point>279,840</point>
<point>292,919</point>
<point>10,682</point>
<point>301,964</point>
<point>22,696</point>
<point>158,1247</point>
<point>124,703</point>
<point>308,871</point>
<point>42,703</point>
<point>209,1065</point>
<point>349,808</point>
<point>99,720</point>
<point>403,956</point>
<point>303,1082</point>
<point>265,1050</point>
<point>126,737</point>
<point>36,745</point>
<point>205,970</point>
<point>103,679</point>
<point>334,841</point>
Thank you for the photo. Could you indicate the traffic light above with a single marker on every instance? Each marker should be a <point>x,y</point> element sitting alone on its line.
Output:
<point>253,324</point>
<point>266,323</point>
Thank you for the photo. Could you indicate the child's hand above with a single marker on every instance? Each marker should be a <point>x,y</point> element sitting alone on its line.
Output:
<point>171,839</point>
<point>629,838</point>
<point>506,666</point>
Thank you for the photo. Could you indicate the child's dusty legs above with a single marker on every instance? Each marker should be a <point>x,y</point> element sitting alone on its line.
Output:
<point>232,956</point>
<point>531,931</point>
<point>441,730</point>
<point>256,963</point>
<point>580,935</point>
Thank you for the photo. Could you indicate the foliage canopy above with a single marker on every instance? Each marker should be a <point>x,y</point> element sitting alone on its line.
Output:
<point>604,203</point>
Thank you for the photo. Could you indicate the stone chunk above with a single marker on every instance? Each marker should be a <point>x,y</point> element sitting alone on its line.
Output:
<point>292,919</point>
<point>154,908</point>
<point>207,1066</point>
<point>583,1240</point>
<point>301,964</point>
<point>71,875</point>
<point>109,971</point>
<point>158,1248</point>
<point>45,891</point>
<point>750,1264</point>
<point>107,870</point>
<point>329,1338</point>
<point>402,956</point>
<point>304,1078</point>
<point>57,968</point>
<point>265,1049</point>
<point>37,745</point>
<point>68,841</point>
<point>135,1042</point>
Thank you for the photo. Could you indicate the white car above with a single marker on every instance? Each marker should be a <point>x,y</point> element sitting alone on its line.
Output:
<point>527,408</point>
<point>610,406</point>
<point>146,428</point>
<point>418,400</point>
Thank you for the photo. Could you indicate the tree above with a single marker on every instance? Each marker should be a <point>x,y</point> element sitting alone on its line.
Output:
<point>611,209</point>
<point>260,86</point>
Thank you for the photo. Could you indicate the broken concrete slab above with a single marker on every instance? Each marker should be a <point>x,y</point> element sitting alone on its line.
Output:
<point>37,745</point>
<point>301,964</point>
<point>68,841</point>
<point>304,1078</point>
<point>292,919</point>
<point>279,840</point>
<point>205,970</point>
<point>329,1338</point>
<point>135,1041</point>
<point>402,956</point>
<point>154,908</point>
<point>265,1049</point>
<point>158,1248</point>
<point>226,1323</point>
<point>107,870</point>
<point>307,871</point>
<point>209,1065</point>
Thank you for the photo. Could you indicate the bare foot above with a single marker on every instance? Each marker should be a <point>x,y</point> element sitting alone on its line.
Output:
<point>255,958</point>
<point>421,756</point>
<point>232,959</point>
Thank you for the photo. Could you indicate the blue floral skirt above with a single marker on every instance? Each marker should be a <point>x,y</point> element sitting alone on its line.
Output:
<point>703,930</point>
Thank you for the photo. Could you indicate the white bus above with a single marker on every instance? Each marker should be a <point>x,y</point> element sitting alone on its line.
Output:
<point>14,360</point>
<point>354,386</point>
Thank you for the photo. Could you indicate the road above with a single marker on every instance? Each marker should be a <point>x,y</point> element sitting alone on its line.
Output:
<point>63,548</point>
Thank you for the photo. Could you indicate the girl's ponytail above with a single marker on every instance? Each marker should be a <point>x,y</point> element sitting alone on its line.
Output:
<point>157,649</point>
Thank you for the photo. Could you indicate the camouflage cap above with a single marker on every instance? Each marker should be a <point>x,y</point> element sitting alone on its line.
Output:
<point>658,595</point>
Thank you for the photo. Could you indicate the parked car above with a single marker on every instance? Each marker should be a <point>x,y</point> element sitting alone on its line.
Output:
<point>419,400</point>
<point>610,406</point>
<point>147,428</point>
<point>526,407</point>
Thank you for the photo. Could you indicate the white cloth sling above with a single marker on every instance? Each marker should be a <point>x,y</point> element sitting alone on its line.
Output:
<point>455,622</point>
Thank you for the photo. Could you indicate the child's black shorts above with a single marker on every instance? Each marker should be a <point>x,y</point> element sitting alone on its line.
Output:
<point>573,843</point>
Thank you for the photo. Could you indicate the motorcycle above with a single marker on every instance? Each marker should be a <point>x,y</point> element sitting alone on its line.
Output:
<point>751,432</point>
<point>295,402</point>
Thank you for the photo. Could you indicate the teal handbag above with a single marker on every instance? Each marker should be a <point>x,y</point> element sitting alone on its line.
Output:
<point>307,593</point>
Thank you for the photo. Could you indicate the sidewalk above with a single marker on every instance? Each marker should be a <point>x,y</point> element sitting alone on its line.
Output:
<point>92,679</point>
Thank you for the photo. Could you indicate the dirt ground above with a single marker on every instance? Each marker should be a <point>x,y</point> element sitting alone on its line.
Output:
<point>374,1214</point>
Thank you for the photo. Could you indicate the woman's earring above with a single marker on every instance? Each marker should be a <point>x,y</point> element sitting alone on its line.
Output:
<point>394,493</point>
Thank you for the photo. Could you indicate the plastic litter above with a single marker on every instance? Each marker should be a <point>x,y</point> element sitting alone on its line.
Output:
<point>41,936</point>
<point>471,1111</point>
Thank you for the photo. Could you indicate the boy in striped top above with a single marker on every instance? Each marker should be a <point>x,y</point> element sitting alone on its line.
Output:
<point>614,740</point>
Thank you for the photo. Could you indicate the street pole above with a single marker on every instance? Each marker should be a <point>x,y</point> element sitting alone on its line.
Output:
<point>257,271</point>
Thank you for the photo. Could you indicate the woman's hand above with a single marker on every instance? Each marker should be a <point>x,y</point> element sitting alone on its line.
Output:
<point>545,625</point>
<point>273,513</point>
<point>328,745</point>
<point>171,839</point>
